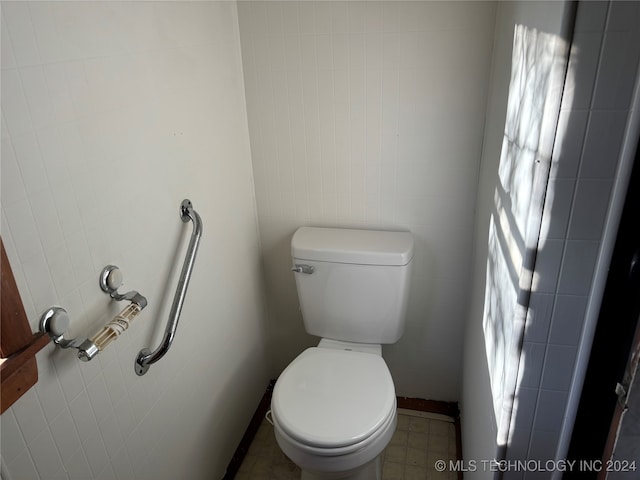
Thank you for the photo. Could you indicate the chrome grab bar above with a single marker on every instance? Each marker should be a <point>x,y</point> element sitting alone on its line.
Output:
<point>146,357</point>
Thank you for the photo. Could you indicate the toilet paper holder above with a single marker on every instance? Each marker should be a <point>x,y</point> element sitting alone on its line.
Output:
<point>55,320</point>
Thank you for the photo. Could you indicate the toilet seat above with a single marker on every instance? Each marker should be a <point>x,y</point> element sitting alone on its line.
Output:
<point>340,452</point>
<point>331,400</point>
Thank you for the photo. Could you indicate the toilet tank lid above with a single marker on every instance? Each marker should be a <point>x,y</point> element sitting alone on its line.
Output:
<point>343,245</point>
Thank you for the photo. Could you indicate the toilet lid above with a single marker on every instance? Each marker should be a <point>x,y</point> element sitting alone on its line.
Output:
<point>333,398</point>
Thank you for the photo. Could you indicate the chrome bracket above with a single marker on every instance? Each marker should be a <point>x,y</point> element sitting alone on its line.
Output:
<point>110,281</point>
<point>301,268</point>
<point>55,320</point>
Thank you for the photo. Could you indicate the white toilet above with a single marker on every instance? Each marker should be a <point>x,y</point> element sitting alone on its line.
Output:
<point>334,406</point>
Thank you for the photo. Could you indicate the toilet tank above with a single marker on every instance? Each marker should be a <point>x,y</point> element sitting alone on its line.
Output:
<point>359,286</point>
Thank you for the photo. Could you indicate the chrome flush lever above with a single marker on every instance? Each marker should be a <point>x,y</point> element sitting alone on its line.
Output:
<point>300,268</point>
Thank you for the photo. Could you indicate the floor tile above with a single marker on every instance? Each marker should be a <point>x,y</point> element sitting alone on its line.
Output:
<point>419,441</point>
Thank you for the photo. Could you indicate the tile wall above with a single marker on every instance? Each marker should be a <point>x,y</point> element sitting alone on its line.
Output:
<point>602,71</point>
<point>112,113</point>
<point>595,108</point>
<point>371,114</point>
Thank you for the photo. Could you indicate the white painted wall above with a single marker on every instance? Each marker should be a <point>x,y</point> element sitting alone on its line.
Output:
<point>370,114</point>
<point>112,113</point>
<point>595,107</point>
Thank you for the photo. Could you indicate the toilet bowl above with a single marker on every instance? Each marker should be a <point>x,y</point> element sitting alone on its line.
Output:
<point>334,412</point>
<point>334,407</point>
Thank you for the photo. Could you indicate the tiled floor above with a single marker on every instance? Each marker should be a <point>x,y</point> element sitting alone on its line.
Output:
<point>420,440</point>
